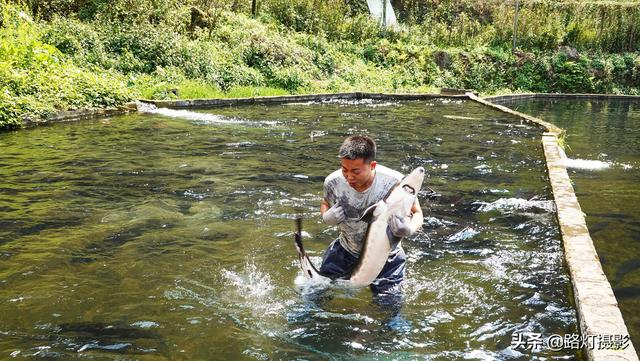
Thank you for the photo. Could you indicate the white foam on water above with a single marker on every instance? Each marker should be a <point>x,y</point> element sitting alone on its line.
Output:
<point>585,164</point>
<point>317,134</point>
<point>463,235</point>
<point>307,286</point>
<point>371,103</point>
<point>327,315</point>
<point>202,118</point>
<point>111,347</point>
<point>145,324</point>
<point>460,117</point>
<point>355,345</point>
<point>251,283</point>
<point>511,205</point>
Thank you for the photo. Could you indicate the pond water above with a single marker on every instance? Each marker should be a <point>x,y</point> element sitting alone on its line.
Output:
<point>170,236</point>
<point>607,135</point>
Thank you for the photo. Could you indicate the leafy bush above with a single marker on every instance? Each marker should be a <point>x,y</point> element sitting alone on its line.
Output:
<point>37,79</point>
<point>97,53</point>
<point>572,76</point>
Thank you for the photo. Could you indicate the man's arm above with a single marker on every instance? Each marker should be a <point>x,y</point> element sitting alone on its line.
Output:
<point>324,206</point>
<point>416,216</point>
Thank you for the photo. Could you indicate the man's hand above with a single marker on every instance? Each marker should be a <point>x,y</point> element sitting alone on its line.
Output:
<point>400,227</point>
<point>334,215</point>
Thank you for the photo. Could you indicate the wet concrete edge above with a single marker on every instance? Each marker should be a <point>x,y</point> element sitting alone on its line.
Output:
<point>79,114</point>
<point>513,97</point>
<point>282,99</point>
<point>596,305</point>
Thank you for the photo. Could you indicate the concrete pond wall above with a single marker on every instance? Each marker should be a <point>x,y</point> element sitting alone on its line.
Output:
<point>596,306</point>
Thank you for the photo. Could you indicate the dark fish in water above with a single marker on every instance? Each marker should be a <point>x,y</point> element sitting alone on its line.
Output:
<point>98,330</point>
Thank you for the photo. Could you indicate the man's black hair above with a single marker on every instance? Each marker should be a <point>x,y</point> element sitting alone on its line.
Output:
<point>358,146</point>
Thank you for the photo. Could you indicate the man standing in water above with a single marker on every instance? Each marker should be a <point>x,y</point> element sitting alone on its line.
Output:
<point>348,192</point>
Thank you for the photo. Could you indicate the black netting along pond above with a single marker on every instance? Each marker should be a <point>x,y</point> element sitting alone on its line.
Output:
<point>603,160</point>
<point>168,235</point>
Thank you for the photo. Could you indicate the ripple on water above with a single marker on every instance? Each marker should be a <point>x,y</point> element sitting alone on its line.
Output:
<point>174,175</point>
<point>462,235</point>
<point>517,205</point>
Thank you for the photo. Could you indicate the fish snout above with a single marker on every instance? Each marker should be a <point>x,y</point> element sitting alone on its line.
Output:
<point>420,170</point>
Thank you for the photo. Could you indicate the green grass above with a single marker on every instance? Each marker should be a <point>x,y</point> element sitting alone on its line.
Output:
<point>249,92</point>
<point>194,89</point>
<point>103,61</point>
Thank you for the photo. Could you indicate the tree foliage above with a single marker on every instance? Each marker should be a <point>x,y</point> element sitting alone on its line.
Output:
<point>66,54</point>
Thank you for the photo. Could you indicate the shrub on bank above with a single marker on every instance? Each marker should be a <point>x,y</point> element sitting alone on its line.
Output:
<point>67,63</point>
<point>37,79</point>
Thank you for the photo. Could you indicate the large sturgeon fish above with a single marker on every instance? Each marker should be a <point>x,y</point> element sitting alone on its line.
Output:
<point>378,239</point>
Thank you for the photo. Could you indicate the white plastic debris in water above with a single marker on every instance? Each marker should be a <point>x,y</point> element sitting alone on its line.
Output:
<point>376,10</point>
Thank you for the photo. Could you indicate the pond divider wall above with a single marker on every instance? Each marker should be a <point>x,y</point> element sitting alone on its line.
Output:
<point>211,103</point>
<point>596,305</point>
<point>501,99</point>
<point>79,114</point>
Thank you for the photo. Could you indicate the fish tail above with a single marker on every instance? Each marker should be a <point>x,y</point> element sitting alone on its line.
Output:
<point>298,237</point>
<point>308,269</point>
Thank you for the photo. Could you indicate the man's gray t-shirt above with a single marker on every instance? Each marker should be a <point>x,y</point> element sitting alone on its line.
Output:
<point>354,203</point>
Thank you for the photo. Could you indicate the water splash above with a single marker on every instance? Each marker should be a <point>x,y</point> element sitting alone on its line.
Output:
<point>460,117</point>
<point>370,103</point>
<point>585,164</point>
<point>251,284</point>
<point>463,235</point>
<point>517,205</point>
<point>202,118</point>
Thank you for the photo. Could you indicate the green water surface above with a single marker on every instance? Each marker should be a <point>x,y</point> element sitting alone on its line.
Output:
<point>608,131</point>
<point>153,237</point>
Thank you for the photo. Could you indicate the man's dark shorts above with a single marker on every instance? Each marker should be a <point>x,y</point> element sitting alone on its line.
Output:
<point>337,261</point>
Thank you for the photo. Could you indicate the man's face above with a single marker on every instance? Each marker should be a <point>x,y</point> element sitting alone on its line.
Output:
<point>358,172</point>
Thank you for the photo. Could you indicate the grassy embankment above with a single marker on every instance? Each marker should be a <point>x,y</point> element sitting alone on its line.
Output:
<point>103,53</point>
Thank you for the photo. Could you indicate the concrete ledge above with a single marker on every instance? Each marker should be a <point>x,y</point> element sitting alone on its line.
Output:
<point>551,128</point>
<point>596,305</point>
<point>213,103</point>
<point>515,97</point>
<point>80,114</point>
